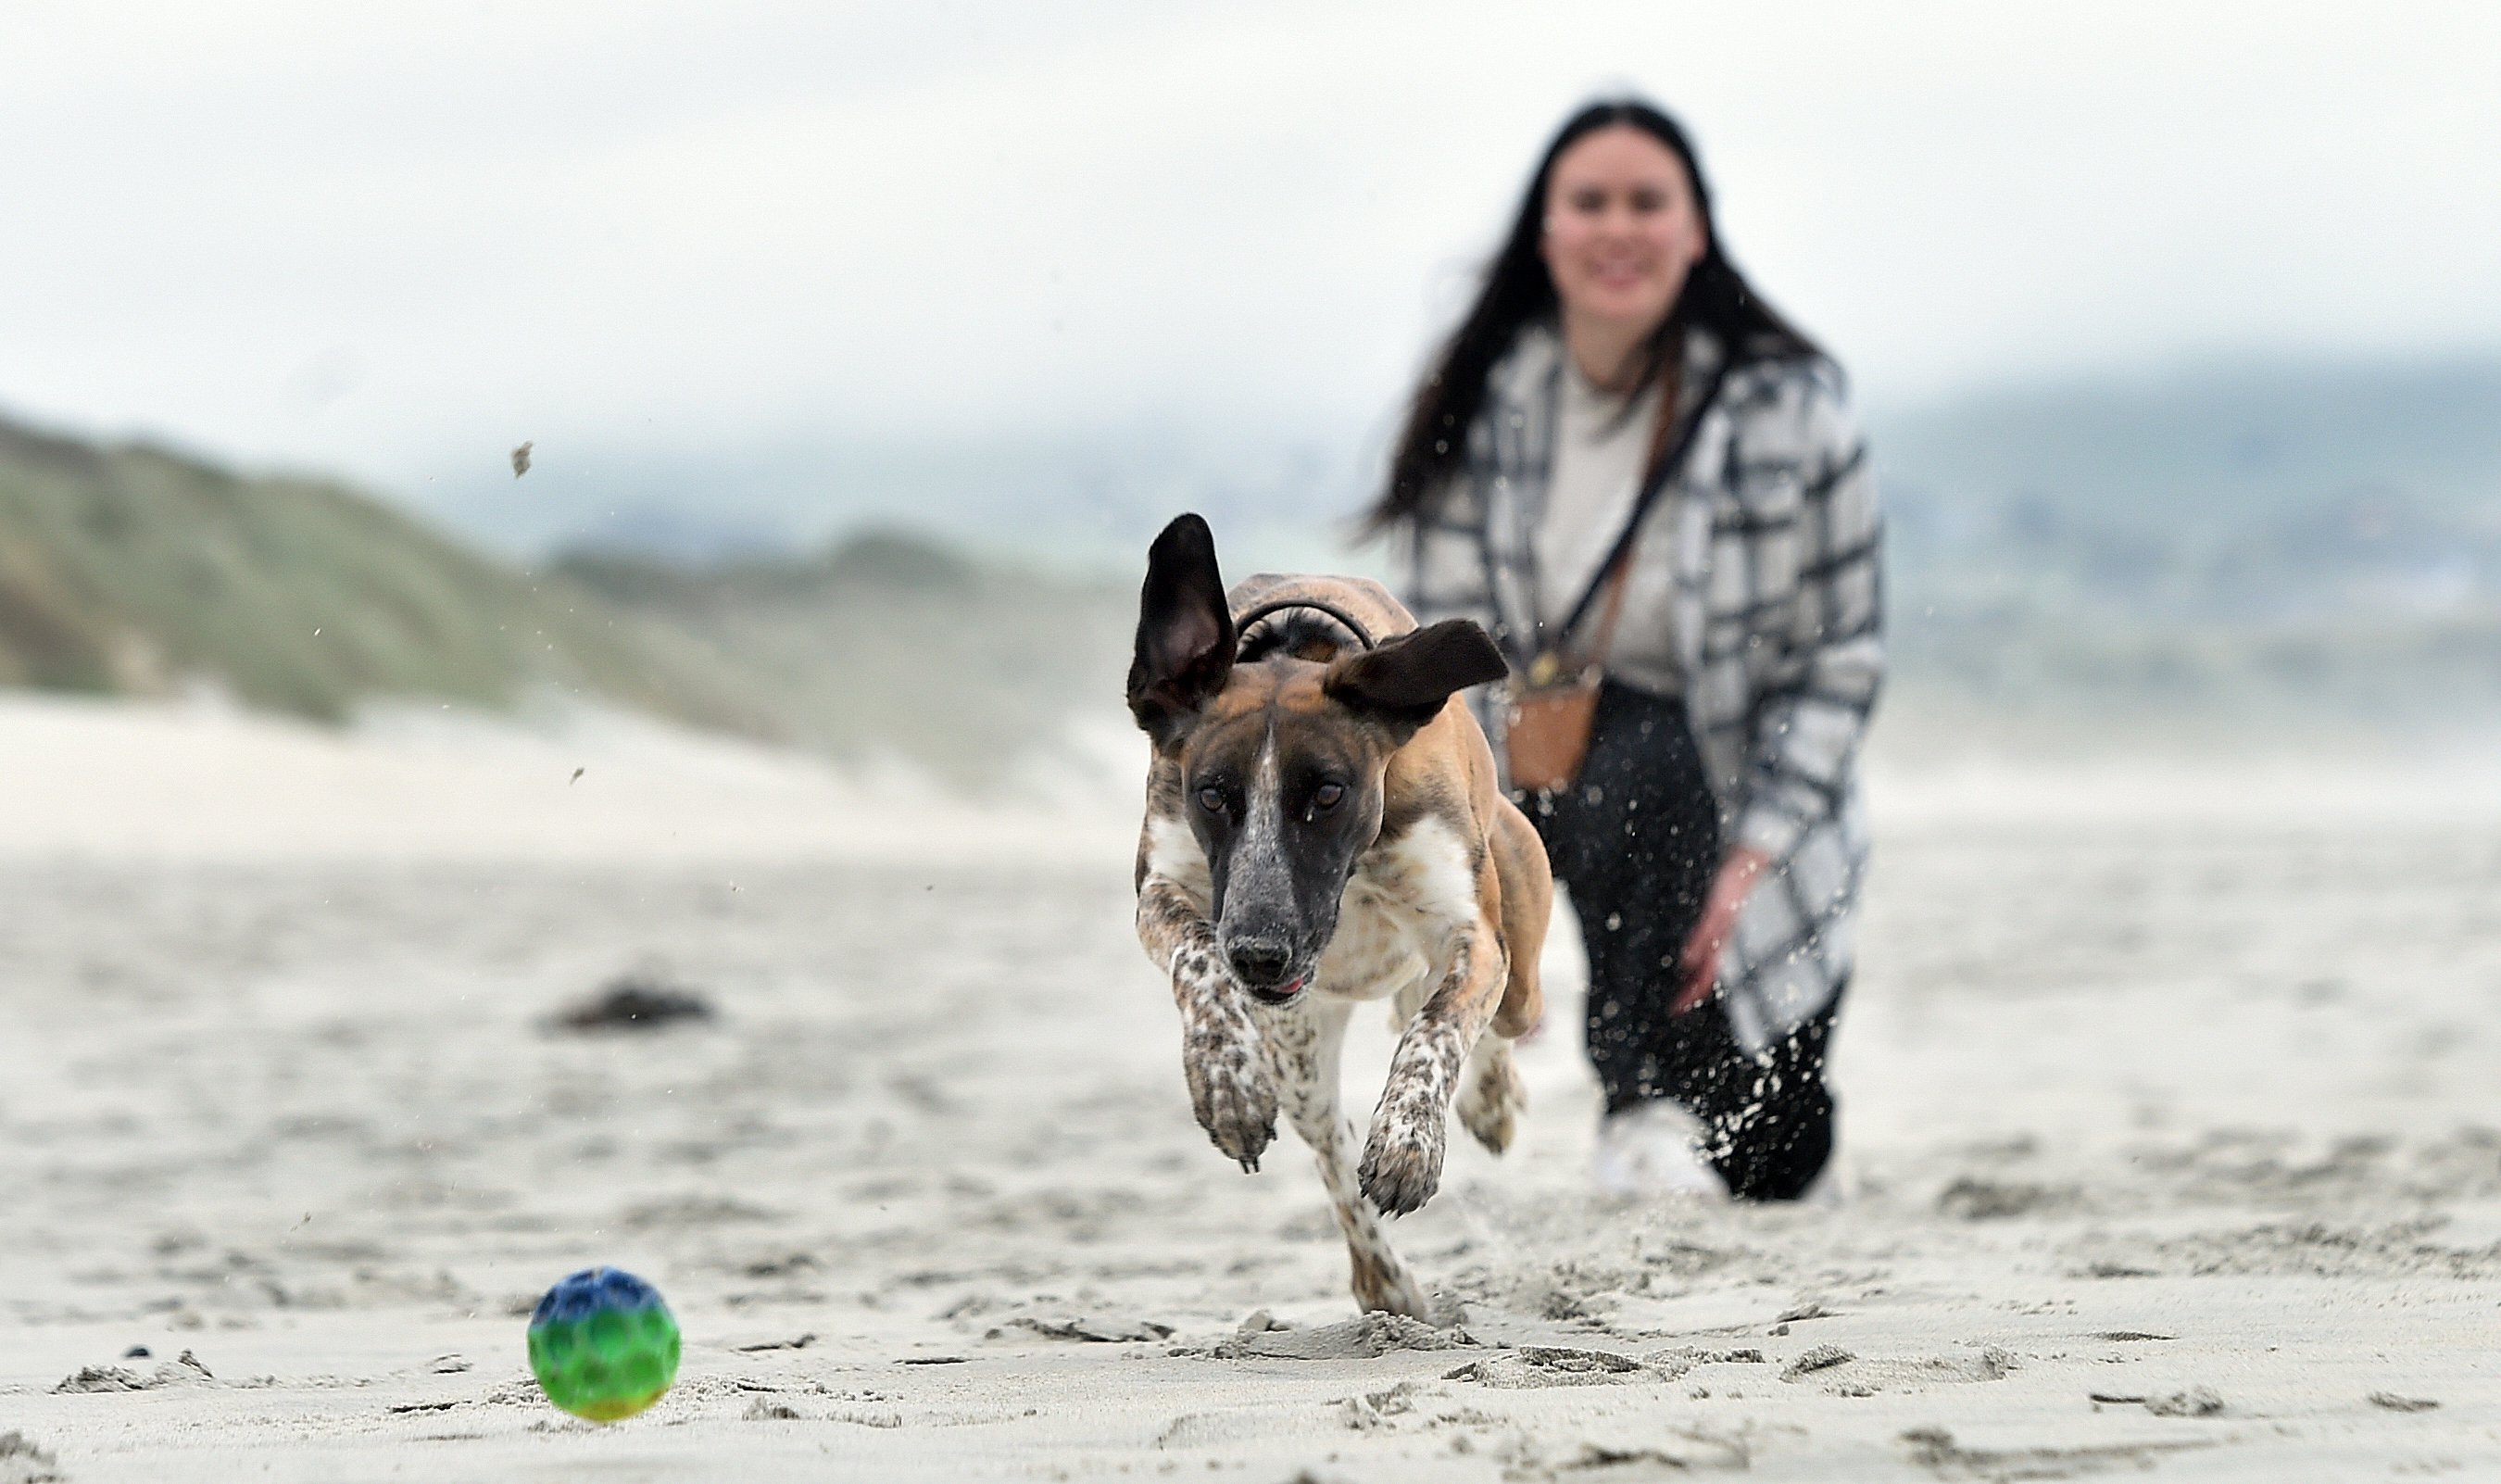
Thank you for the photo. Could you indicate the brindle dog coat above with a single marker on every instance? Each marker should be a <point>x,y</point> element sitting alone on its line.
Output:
<point>1324,826</point>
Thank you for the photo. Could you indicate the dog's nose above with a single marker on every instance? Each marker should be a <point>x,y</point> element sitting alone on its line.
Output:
<point>1258,963</point>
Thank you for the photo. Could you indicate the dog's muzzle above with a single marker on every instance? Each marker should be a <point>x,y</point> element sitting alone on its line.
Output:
<point>1261,968</point>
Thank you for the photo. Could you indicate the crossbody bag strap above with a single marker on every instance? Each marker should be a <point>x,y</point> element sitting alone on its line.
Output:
<point>1617,579</point>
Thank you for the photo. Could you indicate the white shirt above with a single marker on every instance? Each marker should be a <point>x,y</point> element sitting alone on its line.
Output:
<point>1601,451</point>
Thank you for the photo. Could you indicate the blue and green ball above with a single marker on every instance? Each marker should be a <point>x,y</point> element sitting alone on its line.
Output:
<point>603,1345</point>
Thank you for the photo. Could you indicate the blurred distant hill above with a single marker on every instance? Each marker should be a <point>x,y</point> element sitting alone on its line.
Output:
<point>2270,548</point>
<point>890,644</point>
<point>139,571</point>
<point>2290,552</point>
<point>2272,543</point>
<point>2199,452</point>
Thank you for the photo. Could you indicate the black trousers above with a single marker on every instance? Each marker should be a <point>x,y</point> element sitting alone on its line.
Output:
<point>1636,838</point>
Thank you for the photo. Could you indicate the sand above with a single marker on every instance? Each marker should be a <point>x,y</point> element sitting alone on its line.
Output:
<point>2167,1100</point>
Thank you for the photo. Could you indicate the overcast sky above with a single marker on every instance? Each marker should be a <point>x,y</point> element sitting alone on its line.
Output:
<point>393,240</point>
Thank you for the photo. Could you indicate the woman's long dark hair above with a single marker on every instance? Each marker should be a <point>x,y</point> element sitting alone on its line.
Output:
<point>1518,290</point>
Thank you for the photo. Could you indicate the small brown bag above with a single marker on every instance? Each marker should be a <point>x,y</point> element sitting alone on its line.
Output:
<point>1552,708</point>
<point>1555,705</point>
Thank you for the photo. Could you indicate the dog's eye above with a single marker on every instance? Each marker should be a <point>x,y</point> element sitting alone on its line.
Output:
<point>1211,800</point>
<point>1327,795</point>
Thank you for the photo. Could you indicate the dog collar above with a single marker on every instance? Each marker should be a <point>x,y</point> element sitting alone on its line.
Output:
<point>1362,635</point>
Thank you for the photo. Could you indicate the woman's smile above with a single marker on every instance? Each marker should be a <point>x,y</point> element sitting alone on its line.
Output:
<point>1624,274</point>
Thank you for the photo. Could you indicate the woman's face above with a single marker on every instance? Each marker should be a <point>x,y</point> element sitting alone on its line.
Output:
<point>1623,228</point>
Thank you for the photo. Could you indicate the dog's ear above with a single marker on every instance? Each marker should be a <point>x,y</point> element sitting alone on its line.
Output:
<point>1184,633</point>
<point>1403,681</point>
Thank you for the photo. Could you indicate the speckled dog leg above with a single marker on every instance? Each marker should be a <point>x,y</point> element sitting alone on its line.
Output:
<point>1229,1087</point>
<point>1402,1160</point>
<point>1302,1040</point>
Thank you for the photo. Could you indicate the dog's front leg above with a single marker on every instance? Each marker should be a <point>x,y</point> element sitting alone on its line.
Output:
<point>1402,1160</point>
<point>1220,1056</point>
<point>1303,1039</point>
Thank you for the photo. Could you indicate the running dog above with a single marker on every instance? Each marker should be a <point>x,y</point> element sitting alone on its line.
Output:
<point>1324,826</point>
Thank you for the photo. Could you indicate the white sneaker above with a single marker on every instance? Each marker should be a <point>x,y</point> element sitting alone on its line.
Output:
<point>1656,1149</point>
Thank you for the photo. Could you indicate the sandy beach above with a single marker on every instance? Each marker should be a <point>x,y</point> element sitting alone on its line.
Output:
<point>2167,1100</point>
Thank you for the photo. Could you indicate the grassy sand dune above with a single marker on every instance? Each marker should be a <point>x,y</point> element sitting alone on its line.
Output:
<point>134,571</point>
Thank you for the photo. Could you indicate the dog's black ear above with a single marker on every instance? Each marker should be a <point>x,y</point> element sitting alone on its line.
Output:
<point>1404,682</point>
<point>1184,633</point>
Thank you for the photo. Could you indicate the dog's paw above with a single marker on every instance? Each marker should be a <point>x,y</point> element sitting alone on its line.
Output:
<point>1230,1092</point>
<point>1238,1113</point>
<point>1492,1099</point>
<point>1402,1161</point>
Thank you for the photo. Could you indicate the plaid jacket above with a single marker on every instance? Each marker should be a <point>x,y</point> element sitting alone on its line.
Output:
<point>1763,553</point>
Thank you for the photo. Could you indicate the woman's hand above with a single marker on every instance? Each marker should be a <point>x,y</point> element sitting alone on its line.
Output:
<point>1698,968</point>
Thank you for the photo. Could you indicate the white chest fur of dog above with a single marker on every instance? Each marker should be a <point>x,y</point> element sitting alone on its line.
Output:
<point>1402,917</point>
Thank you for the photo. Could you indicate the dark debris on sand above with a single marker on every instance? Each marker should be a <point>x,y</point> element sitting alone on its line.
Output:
<point>635,1002</point>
